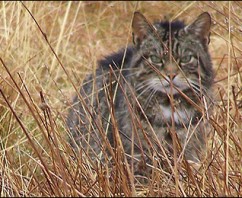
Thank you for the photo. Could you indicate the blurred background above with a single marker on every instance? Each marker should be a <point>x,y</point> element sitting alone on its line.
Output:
<point>37,89</point>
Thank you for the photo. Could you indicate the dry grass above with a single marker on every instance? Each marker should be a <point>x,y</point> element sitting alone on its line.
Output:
<point>39,75</point>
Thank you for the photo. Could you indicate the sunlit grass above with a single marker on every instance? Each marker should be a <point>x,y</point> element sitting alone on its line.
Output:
<point>41,71</point>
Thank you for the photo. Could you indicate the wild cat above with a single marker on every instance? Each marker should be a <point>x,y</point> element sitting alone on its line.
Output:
<point>156,93</point>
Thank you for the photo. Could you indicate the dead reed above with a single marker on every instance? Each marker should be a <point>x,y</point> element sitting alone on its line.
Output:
<point>46,50</point>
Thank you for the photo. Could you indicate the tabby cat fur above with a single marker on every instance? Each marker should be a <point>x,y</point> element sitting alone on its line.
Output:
<point>156,93</point>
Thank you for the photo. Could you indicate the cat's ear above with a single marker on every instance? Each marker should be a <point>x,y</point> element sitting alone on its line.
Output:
<point>141,27</point>
<point>201,26</point>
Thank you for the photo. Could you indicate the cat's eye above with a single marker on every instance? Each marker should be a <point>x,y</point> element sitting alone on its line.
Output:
<point>155,59</point>
<point>186,59</point>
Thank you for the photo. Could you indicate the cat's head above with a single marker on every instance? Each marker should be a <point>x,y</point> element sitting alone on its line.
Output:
<point>174,53</point>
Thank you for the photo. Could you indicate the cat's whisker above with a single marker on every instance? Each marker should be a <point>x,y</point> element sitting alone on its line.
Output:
<point>142,84</point>
<point>147,88</point>
<point>151,95</point>
<point>198,88</point>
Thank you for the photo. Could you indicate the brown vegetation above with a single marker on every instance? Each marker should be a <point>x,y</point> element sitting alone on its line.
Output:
<point>46,48</point>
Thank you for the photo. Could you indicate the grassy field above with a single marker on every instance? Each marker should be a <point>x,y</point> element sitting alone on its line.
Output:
<point>46,48</point>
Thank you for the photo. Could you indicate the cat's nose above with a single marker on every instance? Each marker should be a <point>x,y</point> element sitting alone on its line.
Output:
<point>171,70</point>
<point>171,76</point>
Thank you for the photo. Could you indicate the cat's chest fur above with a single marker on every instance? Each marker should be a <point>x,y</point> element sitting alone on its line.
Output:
<point>163,111</point>
<point>177,114</point>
